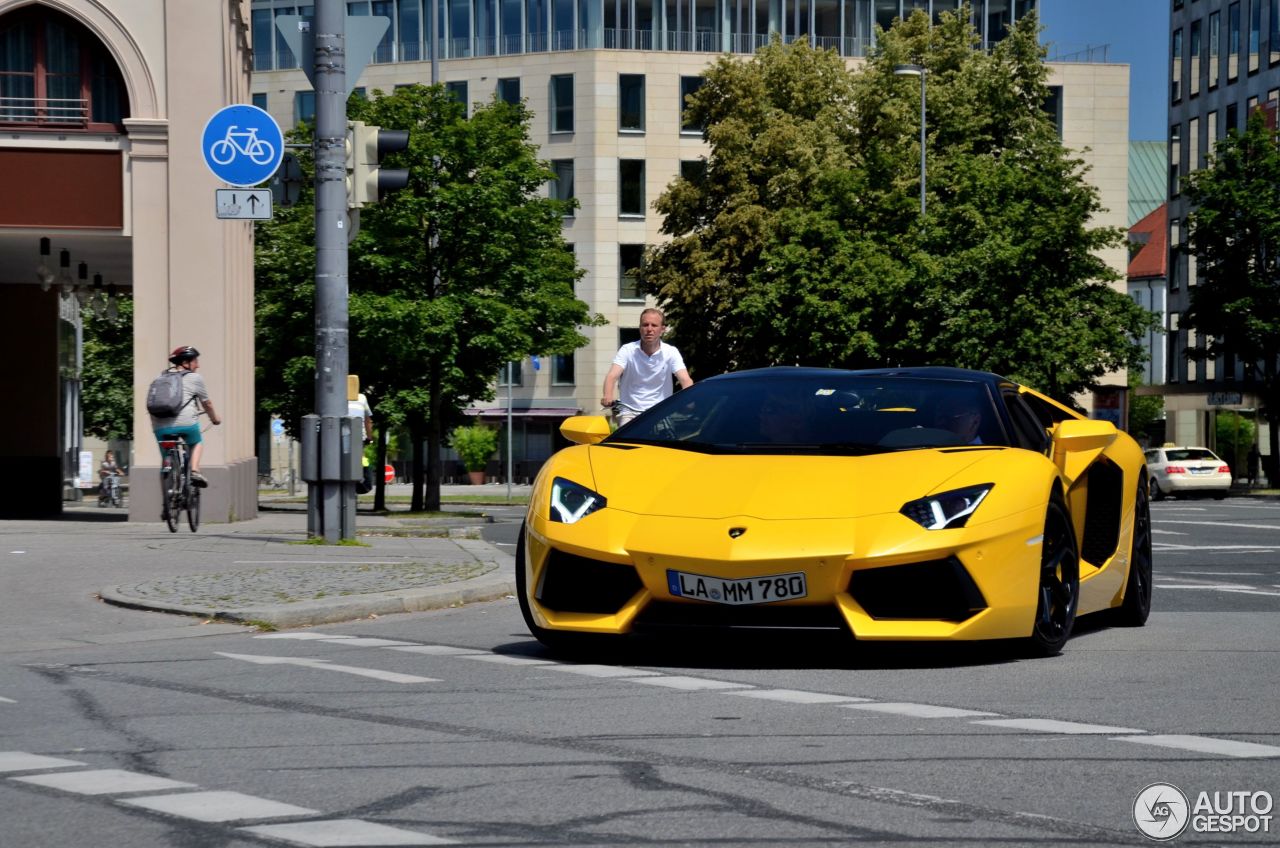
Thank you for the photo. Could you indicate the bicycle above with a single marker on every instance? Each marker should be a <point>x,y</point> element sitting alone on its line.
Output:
<point>177,491</point>
<point>110,494</point>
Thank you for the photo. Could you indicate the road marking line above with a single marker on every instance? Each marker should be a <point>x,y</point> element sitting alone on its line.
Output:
<point>22,761</point>
<point>690,684</point>
<point>325,665</point>
<point>917,710</point>
<point>507,659</point>
<point>370,642</point>
<point>4,700</point>
<point>1205,745</point>
<point>104,782</point>
<point>1048,725</point>
<point>1155,532</point>
<point>304,636</point>
<point>1223,573</point>
<point>1230,524</point>
<point>1248,549</point>
<point>437,650</point>
<point>217,806</point>
<point>344,832</point>
<point>321,561</point>
<point>594,670</point>
<point>797,696</point>
<point>1225,587</point>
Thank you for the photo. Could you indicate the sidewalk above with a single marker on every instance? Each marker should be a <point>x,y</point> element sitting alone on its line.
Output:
<point>265,571</point>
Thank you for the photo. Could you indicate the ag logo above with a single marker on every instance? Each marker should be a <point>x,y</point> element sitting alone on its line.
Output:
<point>1161,811</point>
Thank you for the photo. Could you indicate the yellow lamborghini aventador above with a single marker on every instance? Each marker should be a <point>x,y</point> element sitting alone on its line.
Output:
<point>896,504</point>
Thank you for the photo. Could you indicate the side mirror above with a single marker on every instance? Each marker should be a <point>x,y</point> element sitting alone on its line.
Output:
<point>585,429</point>
<point>1077,443</point>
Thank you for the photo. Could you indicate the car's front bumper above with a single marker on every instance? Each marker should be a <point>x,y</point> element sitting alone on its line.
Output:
<point>882,577</point>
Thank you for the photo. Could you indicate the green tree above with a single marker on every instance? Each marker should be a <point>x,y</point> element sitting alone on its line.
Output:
<point>823,257</point>
<point>1234,233</point>
<point>106,379</point>
<point>449,278</point>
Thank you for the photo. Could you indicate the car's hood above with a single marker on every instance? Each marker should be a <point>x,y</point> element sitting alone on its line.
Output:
<point>663,481</point>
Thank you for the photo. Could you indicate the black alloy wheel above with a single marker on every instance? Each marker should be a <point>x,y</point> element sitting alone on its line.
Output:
<point>1059,589</point>
<point>1135,608</point>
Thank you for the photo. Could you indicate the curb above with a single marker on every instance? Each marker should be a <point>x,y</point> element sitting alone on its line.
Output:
<point>490,587</point>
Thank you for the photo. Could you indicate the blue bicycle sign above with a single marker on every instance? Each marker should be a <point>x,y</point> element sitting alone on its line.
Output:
<point>242,145</point>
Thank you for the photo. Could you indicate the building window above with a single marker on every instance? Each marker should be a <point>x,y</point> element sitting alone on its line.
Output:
<point>1233,118</point>
<point>410,38</point>
<point>627,335</point>
<point>562,185</point>
<point>1175,160</point>
<point>631,187</point>
<point>458,91</point>
<point>1197,45</point>
<point>1175,62</point>
<point>693,170</point>
<point>1053,107</point>
<point>1273,31</point>
<point>260,100</point>
<point>562,103</point>
<point>304,107</point>
<point>1255,30</point>
<point>630,257</point>
<point>689,85</point>
<point>1211,132</point>
<point>1193,145</point>
<point>509,90</point>
<point>1215,46</point>
<point>511,374</point>
<point>631,102</point>
<point>1233,41</point>
<point>1175,254</point>
<point>562,369</point>
<point>55,73</point>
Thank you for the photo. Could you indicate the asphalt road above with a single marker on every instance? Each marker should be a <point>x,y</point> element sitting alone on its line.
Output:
<point>467,730</point>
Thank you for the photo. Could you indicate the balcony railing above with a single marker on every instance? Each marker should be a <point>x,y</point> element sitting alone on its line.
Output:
<point>58,112</point>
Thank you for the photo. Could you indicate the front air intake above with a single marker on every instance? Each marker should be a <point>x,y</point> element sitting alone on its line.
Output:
<point>572,583</point>
<point>939,590</point>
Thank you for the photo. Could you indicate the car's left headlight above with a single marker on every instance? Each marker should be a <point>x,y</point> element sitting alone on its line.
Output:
<point>571,502</point>
<point>946,510</point>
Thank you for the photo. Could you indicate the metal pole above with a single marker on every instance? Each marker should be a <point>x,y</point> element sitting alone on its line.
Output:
<point>922,141</point>
<point>509,468</point>
<point>331,256</point>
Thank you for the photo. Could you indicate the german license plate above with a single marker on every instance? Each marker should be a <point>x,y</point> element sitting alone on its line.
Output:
<point>737,591</point>
<point>1203,470</point>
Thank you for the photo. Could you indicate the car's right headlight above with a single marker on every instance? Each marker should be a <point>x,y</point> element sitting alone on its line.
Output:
<point>946,509</point>
<point>571,502</point>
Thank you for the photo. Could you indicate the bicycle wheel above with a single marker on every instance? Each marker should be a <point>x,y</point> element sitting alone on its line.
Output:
<point>193,506</point>
<point>261,152</point>
<point>117,496</point>
<point>169,490</point>
<point>222,151</point>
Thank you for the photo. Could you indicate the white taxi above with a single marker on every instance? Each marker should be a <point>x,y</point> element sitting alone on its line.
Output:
<point>1187,471</point>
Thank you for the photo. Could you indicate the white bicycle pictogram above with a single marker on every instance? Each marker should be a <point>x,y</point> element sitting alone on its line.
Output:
<point>247,142</point>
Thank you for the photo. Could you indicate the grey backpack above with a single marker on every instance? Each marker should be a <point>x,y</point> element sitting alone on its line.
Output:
<point>164,397</point>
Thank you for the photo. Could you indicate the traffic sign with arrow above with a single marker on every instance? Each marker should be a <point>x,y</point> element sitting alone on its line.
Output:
<point>246,204</point>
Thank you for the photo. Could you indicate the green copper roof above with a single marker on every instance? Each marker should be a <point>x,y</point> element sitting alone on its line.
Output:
<point>1148,172</point>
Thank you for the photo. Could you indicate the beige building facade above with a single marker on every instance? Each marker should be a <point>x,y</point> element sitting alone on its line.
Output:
<point>102,106</point>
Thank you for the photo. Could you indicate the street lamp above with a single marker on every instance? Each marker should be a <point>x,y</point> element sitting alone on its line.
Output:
<point>917,71</point>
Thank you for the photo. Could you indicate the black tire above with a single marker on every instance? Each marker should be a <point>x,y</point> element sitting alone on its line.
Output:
<point>1157,494</point>
<point>1135,608</point>
<point>1058,592</point>
<point>193,507</point>
<point>173,504</point>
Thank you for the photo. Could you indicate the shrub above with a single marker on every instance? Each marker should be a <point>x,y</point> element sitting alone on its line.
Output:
<point>474,444</point>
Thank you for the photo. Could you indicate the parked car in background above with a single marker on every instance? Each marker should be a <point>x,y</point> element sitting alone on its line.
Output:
<point>1187,471</point>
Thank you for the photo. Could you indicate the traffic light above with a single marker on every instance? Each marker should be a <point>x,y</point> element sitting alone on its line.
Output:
<point>367,182</point>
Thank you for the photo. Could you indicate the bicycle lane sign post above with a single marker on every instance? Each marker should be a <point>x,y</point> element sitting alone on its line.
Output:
<point>242,145</point>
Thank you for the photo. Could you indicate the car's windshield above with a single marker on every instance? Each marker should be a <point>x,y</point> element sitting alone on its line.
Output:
<point>837,413</point>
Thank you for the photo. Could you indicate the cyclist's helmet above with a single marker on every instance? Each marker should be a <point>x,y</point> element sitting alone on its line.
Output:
<point>182,354</point>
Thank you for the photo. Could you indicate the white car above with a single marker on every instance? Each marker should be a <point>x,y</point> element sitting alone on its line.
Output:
<point>1186,471</point>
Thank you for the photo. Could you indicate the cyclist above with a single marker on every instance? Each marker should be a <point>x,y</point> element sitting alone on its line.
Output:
<point>195,399</point>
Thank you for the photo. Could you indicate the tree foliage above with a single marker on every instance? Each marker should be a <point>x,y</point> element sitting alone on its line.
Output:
<point>106,379</point>
<point>449,278</point>
<point>802,241</point>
